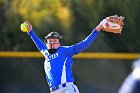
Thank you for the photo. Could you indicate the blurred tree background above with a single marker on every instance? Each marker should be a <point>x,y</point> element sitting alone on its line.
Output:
<point>74,20</point>
<point>70,18</point>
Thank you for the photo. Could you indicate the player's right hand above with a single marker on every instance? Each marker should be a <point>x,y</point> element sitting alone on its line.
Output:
<point>26,27</point>
<point>29,26</point>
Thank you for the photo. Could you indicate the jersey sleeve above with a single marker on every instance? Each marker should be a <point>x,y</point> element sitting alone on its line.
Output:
<point>79,47</point>
<point>38,42</point>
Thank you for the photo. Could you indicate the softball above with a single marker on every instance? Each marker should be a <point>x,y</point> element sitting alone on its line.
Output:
<point>24,27</point>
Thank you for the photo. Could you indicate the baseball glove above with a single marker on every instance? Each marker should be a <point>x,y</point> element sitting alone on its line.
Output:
<point>113,24</point>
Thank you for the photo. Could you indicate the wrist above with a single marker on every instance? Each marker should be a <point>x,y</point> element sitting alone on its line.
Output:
<point>99,27</point>
<point>29,30</point>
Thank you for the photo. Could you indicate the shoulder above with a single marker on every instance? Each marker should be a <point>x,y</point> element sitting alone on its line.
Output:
<point>64,47</point>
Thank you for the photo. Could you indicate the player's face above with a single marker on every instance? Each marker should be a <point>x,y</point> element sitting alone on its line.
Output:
<point>52,43</point>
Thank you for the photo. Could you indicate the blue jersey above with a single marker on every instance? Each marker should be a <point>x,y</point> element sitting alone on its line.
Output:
<point>58,65</point>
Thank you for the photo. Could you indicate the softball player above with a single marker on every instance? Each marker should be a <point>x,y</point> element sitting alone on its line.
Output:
<point>58,59</point>
<point>132,82</point>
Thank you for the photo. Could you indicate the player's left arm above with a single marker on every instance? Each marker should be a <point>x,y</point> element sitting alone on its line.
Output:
<point>79,47</point>
<point>112,24</point>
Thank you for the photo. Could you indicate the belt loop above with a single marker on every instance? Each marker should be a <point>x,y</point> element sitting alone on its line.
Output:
<point>64,85</point>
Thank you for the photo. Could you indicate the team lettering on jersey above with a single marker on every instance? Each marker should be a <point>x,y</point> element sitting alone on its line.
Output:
<point>48,58</point>
<point>53,56</point>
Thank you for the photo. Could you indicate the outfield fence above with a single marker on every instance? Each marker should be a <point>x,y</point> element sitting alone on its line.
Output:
<point>84,55</point>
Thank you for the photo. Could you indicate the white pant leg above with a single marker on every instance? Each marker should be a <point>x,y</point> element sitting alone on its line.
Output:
<point>76,89</point>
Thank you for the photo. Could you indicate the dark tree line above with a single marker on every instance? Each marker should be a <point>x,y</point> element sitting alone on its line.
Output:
<point>73,19</point>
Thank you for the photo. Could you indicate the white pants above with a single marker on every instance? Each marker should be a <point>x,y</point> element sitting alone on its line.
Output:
<point>70,88</point>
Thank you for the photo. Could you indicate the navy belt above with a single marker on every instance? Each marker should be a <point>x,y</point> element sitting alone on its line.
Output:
<point>57,87</point>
